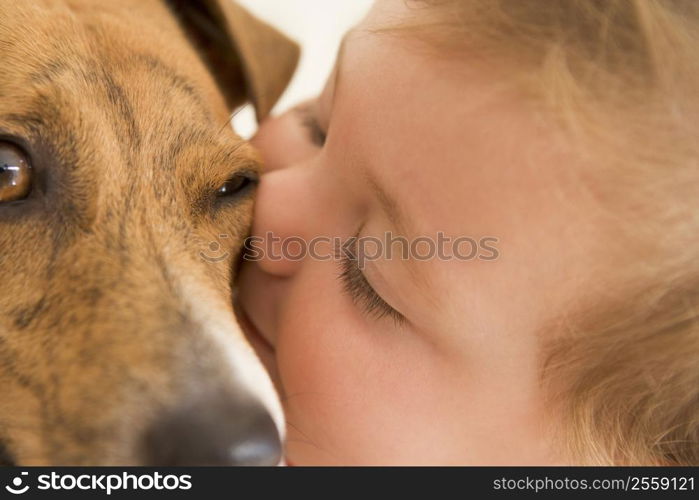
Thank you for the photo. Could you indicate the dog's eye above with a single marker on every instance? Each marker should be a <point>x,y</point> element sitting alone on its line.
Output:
<point>236,185</point>
<point>15,173</point>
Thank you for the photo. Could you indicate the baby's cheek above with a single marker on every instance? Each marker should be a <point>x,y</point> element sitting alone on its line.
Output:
<point>355,395</point>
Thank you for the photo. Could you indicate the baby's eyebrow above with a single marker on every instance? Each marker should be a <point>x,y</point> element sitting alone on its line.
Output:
<point>399,222</point>
<point>389,204</point>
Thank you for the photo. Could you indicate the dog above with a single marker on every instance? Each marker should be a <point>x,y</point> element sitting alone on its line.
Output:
<point>118,165</point>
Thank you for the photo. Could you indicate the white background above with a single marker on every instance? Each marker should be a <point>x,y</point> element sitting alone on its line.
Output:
<point>318,26</point>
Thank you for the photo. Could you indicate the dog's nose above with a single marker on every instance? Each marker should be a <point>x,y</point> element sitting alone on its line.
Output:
<point>216,431</point>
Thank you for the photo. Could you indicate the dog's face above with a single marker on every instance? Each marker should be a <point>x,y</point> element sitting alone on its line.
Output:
<point>117,171</point>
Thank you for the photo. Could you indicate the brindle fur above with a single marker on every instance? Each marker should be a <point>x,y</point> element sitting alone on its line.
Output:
<point>100,268</point>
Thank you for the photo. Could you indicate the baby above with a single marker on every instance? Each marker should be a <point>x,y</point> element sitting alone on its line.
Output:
<point>514,184</point>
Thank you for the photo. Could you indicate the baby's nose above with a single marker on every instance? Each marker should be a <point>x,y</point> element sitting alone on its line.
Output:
<point>292,217</point>
<point>214,431</point>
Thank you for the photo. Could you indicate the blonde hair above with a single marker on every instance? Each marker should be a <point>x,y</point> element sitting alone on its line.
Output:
<point>621,77</point>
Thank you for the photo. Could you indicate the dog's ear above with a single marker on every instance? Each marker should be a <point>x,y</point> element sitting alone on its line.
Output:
<point>249,59</point>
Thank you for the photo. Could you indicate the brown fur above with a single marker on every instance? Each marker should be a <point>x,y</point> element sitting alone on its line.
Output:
<point>127,130</point>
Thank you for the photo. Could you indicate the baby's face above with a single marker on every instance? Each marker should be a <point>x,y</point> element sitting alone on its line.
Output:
<point>425,360</point>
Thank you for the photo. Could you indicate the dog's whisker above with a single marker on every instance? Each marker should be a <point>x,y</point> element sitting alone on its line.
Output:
<point>306,439</point>
<point>231,116</point>
<point>296,428</point>
<point>302,441</point>
<point>289,397</point>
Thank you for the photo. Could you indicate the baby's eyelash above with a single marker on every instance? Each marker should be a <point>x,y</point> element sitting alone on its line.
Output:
<point>308,120</point>
<point>362,293</point>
